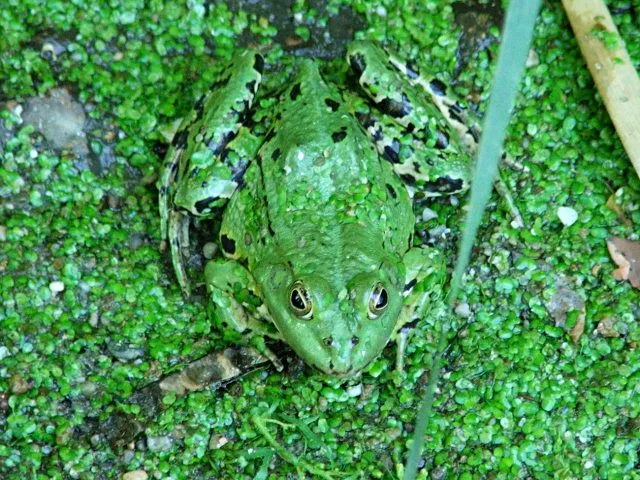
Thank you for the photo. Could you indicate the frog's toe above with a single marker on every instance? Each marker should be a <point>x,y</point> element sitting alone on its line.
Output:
<point>179,243</point>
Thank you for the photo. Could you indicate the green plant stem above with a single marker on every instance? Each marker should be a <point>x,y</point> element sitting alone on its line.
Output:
<point>517,34</point>
<point>261,425</point>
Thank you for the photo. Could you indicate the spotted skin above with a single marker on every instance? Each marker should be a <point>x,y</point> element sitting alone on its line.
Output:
<point>416,131</point>
<point>316,221</point>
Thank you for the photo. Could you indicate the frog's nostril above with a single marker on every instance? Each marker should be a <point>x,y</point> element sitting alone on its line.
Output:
<point>355,340</point>
<point>328,341</point>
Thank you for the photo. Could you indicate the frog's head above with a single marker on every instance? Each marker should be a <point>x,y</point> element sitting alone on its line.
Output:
<point>337,314</point>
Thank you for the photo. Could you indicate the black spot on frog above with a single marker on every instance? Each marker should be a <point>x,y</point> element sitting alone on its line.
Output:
<point>332,104</point>
<point>391,151</point>
<point>202,205</point>
<point>357,63</point>
<point>438,87</point>
<point>442,139</point>
<point>258,63</point>
<point>392,191</point>
<point>444,184</point>
<point>338,136</point>
<point>180,139</point>
<point>295,91</point>
<point>251,86</point>
<point>228,244</point>
<point>396,109</point>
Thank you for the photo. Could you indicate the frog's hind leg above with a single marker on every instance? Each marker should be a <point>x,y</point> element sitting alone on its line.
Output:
<point>417,140</point>
<point>203,167</point>
<point>463,122</point>
<point>438,168</point>
<point>456,114</point>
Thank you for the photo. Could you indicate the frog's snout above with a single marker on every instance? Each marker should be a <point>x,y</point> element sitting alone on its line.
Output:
<point>340,363</point>
<point>340,355</point>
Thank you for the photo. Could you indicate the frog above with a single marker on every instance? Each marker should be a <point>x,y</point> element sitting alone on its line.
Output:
<point>316,217</point>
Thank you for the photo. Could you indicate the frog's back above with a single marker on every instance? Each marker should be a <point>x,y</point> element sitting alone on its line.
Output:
<point>319,166</point>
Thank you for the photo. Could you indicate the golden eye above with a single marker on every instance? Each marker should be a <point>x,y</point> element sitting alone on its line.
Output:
<point>300,301</point>
<point>378,301</point>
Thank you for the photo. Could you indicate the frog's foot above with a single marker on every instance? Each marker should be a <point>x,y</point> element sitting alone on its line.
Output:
<point>202,167</point>
<point>237,309</point>
<point>417,139</point>
<point>424,285</point>
<point>427,171</point>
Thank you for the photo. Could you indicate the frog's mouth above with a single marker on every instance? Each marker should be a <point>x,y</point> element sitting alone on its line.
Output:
<point>348,362</point>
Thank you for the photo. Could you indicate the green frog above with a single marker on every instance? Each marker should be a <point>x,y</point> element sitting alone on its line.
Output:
<point>316,216</point>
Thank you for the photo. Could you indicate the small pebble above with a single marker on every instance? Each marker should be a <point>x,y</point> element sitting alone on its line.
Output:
<point>135,475</point>
<point>217,441</point>
<point>19,384</point>
<point>209,250</point>
<point>428,214</point>
<point>124,352</point>
<point>439,232</point>
<point>128,454</point>
<point>159,443</point>
<point>533,60</point>
<point>463,310</point>
<point>4,352</point>
<point>56,287</point>
<point>355,391</point>
<point>567,216</point>
<point>93,319</point>
<point>17,111</point>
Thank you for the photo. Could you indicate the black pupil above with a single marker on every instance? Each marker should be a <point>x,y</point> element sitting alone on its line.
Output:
<point>382,299</point>
<point>296,300</point>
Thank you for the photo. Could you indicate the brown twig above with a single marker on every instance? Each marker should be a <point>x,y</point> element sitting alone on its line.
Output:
<point>611,68</point>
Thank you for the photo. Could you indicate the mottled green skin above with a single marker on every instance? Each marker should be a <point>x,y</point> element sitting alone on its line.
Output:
<point>319,205</point>
<point>321,213</point>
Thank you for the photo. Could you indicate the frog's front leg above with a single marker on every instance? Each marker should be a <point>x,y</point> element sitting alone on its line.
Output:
<point>424,285</point>
<point>202,169</point>
<point>237,308</point>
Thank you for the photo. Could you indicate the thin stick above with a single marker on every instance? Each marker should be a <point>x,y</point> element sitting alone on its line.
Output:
<point>611,68</point>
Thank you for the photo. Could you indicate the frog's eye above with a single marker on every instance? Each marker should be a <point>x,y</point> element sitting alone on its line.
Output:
<point>300,301</point>
<point>378,301</point>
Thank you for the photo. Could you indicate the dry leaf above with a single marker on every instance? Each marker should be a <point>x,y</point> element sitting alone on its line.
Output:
<point>626,254</point>
<point>578,329</point>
